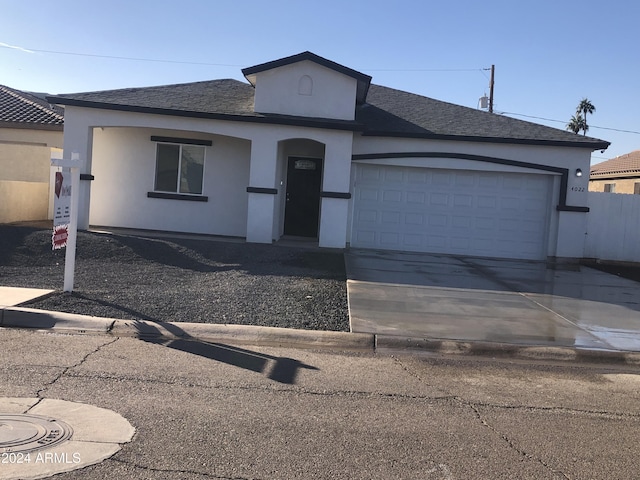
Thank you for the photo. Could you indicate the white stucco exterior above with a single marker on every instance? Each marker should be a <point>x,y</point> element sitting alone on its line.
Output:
<point>245,179</point>
<point>124,170</point>
<point>306,89</point>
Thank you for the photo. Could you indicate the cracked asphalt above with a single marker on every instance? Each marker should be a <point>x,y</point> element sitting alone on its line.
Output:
<point>214,411</point>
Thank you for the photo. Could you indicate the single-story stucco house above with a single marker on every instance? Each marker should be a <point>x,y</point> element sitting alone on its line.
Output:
<point>29,128</point>
<point>310,148</point>
<point>617,175</point>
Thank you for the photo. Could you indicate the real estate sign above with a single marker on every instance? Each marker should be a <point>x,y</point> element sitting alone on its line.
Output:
<point>61,208</point>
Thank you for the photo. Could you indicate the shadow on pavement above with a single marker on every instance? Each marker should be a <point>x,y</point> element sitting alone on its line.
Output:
<point>283,370</point>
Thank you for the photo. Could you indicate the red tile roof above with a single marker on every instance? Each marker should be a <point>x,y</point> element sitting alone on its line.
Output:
<point>627,164</point>
<point>25,110</point>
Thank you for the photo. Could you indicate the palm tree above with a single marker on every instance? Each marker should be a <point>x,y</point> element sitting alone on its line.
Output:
<point>577,123</point>
<point>585,107</point>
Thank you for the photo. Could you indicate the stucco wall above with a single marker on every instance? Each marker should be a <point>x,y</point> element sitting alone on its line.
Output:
<point>25,164</point>
<point>23,201</point>
<point>622,185</point>
<point>306,89</point>
<point>124,169</point>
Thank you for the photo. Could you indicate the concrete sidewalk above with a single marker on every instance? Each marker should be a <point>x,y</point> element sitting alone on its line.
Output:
<point>12,296</point>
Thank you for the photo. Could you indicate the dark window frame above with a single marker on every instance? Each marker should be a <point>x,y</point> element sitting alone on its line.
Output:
<point>160,191</point>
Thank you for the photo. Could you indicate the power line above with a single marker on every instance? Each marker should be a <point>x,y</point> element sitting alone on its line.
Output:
<point>422,69</point>
<point>114,57</point>
<point>157,60</point>
<point>562,121</point>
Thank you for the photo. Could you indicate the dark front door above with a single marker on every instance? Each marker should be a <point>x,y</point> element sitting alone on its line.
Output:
<point>301,214</point>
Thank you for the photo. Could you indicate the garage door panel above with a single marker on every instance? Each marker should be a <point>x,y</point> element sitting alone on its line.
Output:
<point>389,239</point>
<point>417,176</point>
<point>368,194</point>
<point>488,182</point>
<point>461,222</point>
<point>465,180</point>
<point>390,219</point>
<point>367,216</point>
<point>443,211</point>
<point>441,178</point>
<point>416,219</point>
<point>436,242</point>
<point>416,197</point>
<point>394,176</point>
<point>462,200</point>
<point>438,199</point>
<point>392,196</point>
<point>413,240</point>
<point>438,220</point>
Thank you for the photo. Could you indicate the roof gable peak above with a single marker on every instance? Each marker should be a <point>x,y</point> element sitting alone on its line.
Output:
<point>362,79</point>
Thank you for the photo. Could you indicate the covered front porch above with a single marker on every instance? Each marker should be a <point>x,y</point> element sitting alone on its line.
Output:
<point>260,182</point>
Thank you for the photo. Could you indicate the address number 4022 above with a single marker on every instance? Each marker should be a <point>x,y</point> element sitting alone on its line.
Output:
<point>577,189</point>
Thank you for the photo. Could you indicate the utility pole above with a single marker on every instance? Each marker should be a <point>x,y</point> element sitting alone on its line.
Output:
<point>493,67</point>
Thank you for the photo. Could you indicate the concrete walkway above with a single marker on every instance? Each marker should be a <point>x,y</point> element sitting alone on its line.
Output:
<point>12,296</point>
<point>439,297</point>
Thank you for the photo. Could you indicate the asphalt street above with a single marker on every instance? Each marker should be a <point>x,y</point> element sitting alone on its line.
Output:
<point>206,410</point>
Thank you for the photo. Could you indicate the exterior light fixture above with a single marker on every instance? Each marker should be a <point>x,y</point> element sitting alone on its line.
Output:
<point>578,172</point>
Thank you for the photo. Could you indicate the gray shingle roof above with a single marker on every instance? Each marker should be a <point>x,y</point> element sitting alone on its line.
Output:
<point>627,164</point>
<point>387,112</point>
<point>225,97</point>
<point>26,110</point>
<point>398,113</point>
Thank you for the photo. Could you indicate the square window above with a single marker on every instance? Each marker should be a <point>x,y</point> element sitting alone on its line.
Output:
<point>610,187</point>
<point>179,168</point>
<point>636,188</point>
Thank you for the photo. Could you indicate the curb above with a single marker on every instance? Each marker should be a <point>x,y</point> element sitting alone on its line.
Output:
<point>59,321</point>
<point>69,323</point>
<point>391,343</point>
<point>246,334</point>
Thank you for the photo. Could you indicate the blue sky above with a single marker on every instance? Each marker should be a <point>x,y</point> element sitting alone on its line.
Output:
<point>548,54</point>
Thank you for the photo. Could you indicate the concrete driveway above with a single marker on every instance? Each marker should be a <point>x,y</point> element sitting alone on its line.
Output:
<point>490,300</point>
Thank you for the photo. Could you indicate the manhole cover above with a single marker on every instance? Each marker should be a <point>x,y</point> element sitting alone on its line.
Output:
<point>25,433</point>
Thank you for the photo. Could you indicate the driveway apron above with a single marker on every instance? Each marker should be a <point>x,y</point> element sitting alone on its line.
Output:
<point>491,300</point>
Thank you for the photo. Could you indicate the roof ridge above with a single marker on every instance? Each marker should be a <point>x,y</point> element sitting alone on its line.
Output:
<point>21,97</point>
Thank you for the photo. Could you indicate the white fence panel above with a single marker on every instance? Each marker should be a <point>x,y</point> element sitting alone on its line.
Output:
<point>613,227</point>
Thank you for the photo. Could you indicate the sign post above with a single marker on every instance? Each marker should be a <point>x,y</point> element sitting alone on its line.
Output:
<point>65,211</point>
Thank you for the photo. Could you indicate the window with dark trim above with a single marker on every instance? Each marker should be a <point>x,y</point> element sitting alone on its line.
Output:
<point>636,188</point>
<point>179,168</point>
<point>610,187</point>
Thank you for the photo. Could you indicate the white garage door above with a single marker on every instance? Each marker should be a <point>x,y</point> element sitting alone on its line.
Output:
<point>451,211</point>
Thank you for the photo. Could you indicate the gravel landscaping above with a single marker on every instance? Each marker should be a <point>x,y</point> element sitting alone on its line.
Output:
<point>181,280</point>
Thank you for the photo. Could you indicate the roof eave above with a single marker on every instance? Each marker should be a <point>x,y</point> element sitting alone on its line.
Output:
<point>615,175</point>
<point>469,138</point>
<point>32,126</point>
<point>325,123</point>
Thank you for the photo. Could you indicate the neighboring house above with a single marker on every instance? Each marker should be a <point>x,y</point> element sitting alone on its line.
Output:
<point>29,128</point>
<point>618,175</point>
<point>311,148</point>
